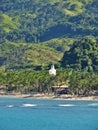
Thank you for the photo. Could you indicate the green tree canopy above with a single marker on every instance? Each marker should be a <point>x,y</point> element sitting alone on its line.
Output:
<point>83,55</point>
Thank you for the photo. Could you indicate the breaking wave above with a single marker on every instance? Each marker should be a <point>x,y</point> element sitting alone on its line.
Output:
<point>66,105</point>
<point>29,105</point>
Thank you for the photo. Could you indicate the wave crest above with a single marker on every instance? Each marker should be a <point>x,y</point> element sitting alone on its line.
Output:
<point>29,105</point>
<point>66,105</point>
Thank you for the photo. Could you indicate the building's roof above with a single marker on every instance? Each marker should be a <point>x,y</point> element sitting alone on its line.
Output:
<point>62,86</point>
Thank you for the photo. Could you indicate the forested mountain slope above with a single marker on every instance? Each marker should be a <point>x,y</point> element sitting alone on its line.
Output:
<point>36,56</point>
<point>83,55</point>
<point>53,24</point>
<point>21,55</point>
<point>40,20</point>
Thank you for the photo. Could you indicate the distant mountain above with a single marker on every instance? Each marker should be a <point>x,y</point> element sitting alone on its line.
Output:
<point>41,20</point>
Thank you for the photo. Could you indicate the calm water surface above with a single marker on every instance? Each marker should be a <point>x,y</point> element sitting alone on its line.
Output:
<point>34,114</point>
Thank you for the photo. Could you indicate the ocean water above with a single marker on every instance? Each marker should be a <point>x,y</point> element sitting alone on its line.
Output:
<point>38,114</point>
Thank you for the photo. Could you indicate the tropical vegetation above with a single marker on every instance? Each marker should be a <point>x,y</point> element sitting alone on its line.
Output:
<point>36,34</point>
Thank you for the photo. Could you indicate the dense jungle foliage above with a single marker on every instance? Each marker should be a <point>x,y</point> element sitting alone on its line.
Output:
<point>83,55</point>
<point>28,81</point>
<point>36,34</point>
<point>26,68</point>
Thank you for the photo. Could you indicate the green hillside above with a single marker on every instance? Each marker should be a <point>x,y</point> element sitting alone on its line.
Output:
<point>13,55</point>
<point>7,24</point>
<point>34,21</point>
<point>37,33</point>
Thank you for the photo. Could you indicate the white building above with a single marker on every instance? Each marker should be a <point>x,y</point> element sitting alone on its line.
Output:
<point>52,71</point>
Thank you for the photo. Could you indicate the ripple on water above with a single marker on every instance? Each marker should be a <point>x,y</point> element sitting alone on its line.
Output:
<point>10,106</point>
<point>93,104</point>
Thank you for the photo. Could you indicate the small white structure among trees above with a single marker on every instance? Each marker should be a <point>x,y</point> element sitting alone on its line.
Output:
<point>52,71</point>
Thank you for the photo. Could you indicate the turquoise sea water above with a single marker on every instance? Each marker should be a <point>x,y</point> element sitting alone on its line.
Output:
<point>34,114</point>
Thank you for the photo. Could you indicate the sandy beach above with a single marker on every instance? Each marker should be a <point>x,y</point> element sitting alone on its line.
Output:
<point>50,96</point>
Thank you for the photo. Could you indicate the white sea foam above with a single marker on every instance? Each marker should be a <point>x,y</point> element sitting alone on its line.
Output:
<point>93,104</point>
<point>10,105</point>
<point>29,105</point>
<point>66,105</point>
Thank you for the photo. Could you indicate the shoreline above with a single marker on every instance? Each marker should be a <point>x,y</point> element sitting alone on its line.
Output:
<point>50,96</point>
